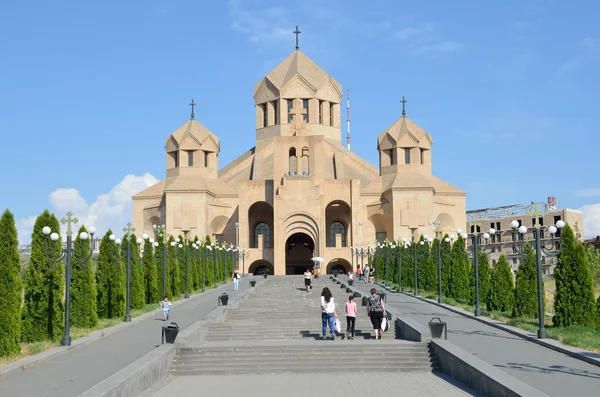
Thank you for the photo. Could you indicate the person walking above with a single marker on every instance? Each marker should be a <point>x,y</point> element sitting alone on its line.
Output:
<point>376,311</point>
<point>371,274</point>
<point>358,273</point>
<point>236,278</point>
<point>328,313</point>
<point>350,317</point>
<point>166,308</point>
<point>366,273</point>
<point>307,280</point>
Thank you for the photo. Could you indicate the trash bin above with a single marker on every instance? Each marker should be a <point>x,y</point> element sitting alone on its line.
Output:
<point>252,283</point>
<point>365,301</point>
<point>331,277</point>
<point>381,295</point>
<point>436,328</point>
<point>224,298</point>
<point>170,332</point>
<point>350,282</point>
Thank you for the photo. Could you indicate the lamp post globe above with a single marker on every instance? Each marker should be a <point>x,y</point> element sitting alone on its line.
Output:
<point>46,230</point>
<point>552,230</point>
<point>514,224</point>
<point>522,229</point>
<point>112,237</point>
<point>54,237</point>
<point>83,236</point>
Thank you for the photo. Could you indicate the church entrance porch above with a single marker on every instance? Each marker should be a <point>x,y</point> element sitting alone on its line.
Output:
<point>299,249</point>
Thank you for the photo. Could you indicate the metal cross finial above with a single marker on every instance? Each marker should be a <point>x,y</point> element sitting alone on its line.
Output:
<point>403,107</point>
<point>69,221</point>
<point>297,32</point>
<point>128,231</point>
<point>192,104</point>
<point>535,212</point>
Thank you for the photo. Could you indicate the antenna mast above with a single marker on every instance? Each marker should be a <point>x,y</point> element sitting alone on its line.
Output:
<point>348,119</point>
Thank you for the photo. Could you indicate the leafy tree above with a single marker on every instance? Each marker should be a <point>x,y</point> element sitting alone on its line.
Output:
<point>110,279</point>
<point>501,295</point>
<point>10,287</point>
<point>526,296</point>
<point>574,296</point>
<point>593,258</point>
<point>151,292</point>
<point>459,272</point>
<point>83,289</point>
<point>42,315</point>
<point>136,288</point>
<point>484,278</point>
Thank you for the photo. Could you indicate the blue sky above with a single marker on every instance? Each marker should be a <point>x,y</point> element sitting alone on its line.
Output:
<point>90,91</point>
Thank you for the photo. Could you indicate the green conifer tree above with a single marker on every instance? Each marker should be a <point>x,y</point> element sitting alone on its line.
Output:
<point>574,296</point>
<point>485,273</point>
<point>10,287</point>
<point>151,292</point>
<point>42,315</point>
<point>459,272</point>
<point>110,279</point>
<point>526,297</point>
<point>137,292</point>
<point>160,268</point>
<point>172,269</point>
<point>446,266</point>
<point>501,295</point>
<point>181,258</point>
<point>83,288</point>
<point>408,267</point>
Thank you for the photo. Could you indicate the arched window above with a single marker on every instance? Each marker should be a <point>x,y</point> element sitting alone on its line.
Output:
<point>305,156</point>
<point>293,162</point>
<point>337,228</point>
<point>262,229</point>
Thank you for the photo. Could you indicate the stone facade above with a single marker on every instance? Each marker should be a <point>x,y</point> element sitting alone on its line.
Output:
<point>299,192</point>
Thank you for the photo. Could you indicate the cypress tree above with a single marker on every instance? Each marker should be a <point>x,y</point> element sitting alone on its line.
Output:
<point>172,269</point>
<point>408,267</point>
<point>459,272</point>
<point>502,292</point>
<point>160,263</point>
<point>110,279</point>
<point>425,274</point>
<point>151,292</point>
<point>10,287</point>
<point>42,315</point>
<point>83,289</point>
<point>446,266</point>
<point>526,299</point>
<point>137,292</point>
<point>197,265</point>
<point>181,261</point>
<point>484,278</point>
<point>574,296</point>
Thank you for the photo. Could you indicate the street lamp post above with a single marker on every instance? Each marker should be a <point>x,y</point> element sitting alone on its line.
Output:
<point>540,247</point>
<point>243,254</point>
<point>414,244</point>
<point>187,264</point>
<point>476,249</point>
<point>66,254</point>
<point>237,245</point>
<point>214,249</point>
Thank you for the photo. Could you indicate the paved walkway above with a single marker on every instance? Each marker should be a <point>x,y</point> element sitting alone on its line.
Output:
<point>70,374</point>
<point>306,385</point>
<point>554,373</point>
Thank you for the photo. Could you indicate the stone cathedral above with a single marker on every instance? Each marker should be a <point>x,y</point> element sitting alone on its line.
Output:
<point>299,192</point>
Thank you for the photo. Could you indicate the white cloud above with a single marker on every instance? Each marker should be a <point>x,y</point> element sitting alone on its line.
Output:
<point>591,220</point>
<point>112,210</point>
<point>588,42</point>
<point>590,192</point>
<point>260,24</point>
<point>423,40</point>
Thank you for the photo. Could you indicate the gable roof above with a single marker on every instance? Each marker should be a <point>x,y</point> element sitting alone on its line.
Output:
<point>405,126</point>
<point>195,130</point>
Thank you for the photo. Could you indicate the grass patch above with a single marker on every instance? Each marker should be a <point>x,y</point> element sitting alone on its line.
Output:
<point>28,349</point>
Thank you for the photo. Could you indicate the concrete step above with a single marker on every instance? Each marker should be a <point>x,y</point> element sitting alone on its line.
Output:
<point>336,367</point>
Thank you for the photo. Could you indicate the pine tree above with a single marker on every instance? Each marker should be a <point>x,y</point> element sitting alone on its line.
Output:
<point>42,315</point>
<point>151,293</point>
<point>137,293</point>
<point>83,289</point>
<point>10,287</point>
<point>501,295</point>
<point>459,271</point>
<point>110,280</point>
<point>574,296</point>
<point>526,297</point>
<point>484,278</point>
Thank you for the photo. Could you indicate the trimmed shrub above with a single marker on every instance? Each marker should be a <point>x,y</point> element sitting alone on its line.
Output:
<point>459,272</point>
<point>136,287</point>
<point>43,310</point>
<point>83,288</point>
<point>10,287</point>
<point>484,278</point>
<point>151,293</point>
<point>446,266</point>
<point>574,296</point>
<point>501,295</point>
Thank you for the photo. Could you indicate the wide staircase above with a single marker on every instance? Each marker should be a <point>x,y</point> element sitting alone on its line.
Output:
<point>278,330</point>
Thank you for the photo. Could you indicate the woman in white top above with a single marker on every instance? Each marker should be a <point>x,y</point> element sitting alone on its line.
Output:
<point>327,312</point>
<point>307,279</point>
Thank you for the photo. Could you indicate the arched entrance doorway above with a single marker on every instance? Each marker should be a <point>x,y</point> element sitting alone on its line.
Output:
<point>299,249</point>
<point>340,265</point>
<point>258,267</point>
